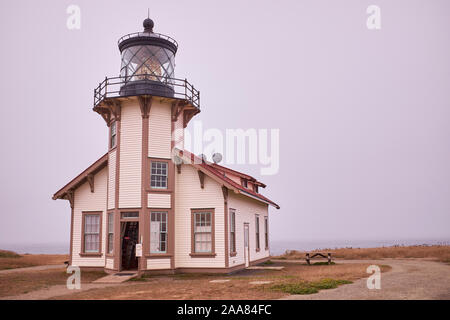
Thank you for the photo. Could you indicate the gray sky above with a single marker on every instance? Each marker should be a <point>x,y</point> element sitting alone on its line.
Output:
<point>364,116</point>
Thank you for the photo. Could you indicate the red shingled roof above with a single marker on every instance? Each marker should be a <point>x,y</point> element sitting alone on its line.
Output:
<point>213,170</point>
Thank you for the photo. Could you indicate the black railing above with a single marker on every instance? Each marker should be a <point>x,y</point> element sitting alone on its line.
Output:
<point>148,34</point>
<point>136,85</point>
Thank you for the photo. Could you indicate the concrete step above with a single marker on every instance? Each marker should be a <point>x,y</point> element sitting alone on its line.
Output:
<point>118,277</point>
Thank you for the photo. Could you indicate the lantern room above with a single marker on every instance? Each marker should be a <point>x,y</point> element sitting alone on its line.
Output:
<point>148,62</point>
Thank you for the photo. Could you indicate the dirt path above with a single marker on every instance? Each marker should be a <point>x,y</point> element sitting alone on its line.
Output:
<point>408,279</point>
<point>37,268</point>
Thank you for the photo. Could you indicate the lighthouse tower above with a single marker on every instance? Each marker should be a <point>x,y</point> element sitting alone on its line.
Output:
<point>146,109</point>
<point>148,205</point>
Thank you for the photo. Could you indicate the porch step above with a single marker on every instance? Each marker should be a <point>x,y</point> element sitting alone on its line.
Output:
<point>118,277</point>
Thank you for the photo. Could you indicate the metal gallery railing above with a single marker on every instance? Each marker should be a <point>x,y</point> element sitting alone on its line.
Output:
<point>147,85</point>
<point>148,34</point>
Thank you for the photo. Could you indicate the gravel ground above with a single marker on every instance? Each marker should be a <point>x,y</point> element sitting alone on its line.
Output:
<point>409,279</point>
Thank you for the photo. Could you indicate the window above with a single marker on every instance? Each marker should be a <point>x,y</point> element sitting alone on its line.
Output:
<point>91,233</point>
<point>158,232</point>
<point>158,177</point>
<point>266,232</point>
<point>257,232</point>
<point>244,183</point>
<point>110,232</point>
<point>129,215</point>
<point>203,231</point>
<point>232,231</point>
<point>113,135</point>
<point>255,188</point>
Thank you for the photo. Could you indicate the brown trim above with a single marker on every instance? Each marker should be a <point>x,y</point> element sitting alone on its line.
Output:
<point>71,236</point>
<point>117,240</point>
<point>232,253</point>
<point>145,104</point>
<point>170,238</point>
<point>213,234</point>
<point>170,172</point>
<point>201,176</point>
<point>226,222</point>
<point>107,253</point>
<point>81,178</point>
<point>83,217</point>
<point>266,232</point>
<point>90,180</point>
<point>257,234</point>
<point>171,227</point>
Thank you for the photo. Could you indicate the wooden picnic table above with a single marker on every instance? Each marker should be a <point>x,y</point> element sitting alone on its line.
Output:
<point>318,254</point>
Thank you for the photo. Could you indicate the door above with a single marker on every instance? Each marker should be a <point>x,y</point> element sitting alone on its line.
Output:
<point>246,245</point>
<point>129,239</point>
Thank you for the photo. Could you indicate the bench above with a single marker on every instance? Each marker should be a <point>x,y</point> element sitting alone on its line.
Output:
<point>318,255</point>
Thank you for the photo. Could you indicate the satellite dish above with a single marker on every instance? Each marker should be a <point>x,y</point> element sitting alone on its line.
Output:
<point>217,157</point>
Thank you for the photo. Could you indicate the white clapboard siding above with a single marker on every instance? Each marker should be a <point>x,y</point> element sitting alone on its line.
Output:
<point>112,180</point>
<point>190,195</point>
<point>159,130</point>
<point>85,200</point>
<point>158,200</point>
<point>178,134</point>
<point>109,264</point>
<point>246,209</point>
<point>130,156</point>
<point>158,264</point>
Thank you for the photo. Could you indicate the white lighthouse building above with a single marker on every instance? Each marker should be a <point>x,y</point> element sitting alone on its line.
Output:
<point>148,204</point>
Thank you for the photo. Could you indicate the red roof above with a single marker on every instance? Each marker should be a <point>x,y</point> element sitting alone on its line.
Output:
<point>213,169</point>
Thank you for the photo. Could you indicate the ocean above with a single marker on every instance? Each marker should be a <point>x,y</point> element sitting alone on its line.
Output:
<point>276,246</point>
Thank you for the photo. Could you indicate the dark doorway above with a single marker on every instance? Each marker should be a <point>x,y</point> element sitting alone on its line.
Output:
<point>130,232</point>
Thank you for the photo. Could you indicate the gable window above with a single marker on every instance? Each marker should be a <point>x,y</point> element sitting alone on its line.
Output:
<point>158,232</point>
<point>266,232</point>
<point>113,138</point>
<point>202,232</point>
<point>91,232</point>
<point>257,232</point>
<point>110,232</point>
<point>158,179</point>
<point>232,231</point>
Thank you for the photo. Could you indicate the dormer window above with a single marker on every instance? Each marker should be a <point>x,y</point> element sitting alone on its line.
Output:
<point>244,183</point>
<point>255,188</point>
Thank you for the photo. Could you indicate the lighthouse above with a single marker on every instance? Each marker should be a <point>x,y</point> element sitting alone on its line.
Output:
<point>136,208</point>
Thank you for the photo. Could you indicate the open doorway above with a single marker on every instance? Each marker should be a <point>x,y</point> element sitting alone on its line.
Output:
<point>129,238</point>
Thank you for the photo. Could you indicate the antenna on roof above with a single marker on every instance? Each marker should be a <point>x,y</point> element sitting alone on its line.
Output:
<point>148,13</point>
<point>217,157</point>
<point>203,157</point>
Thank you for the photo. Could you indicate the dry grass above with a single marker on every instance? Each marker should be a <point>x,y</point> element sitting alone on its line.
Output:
<point>437,252</point>
<point>12,284</point>
<point>197,286</point>
<point>12,260</point>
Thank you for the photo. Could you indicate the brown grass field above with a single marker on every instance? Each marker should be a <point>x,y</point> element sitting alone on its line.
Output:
<point>19,283</point>
<point>295,278</point>
<point>197,286</point>
<point>435,252</point>
<point>12,260</point>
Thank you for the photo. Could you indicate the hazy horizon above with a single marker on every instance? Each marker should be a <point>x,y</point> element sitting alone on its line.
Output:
<point>364,115</point>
